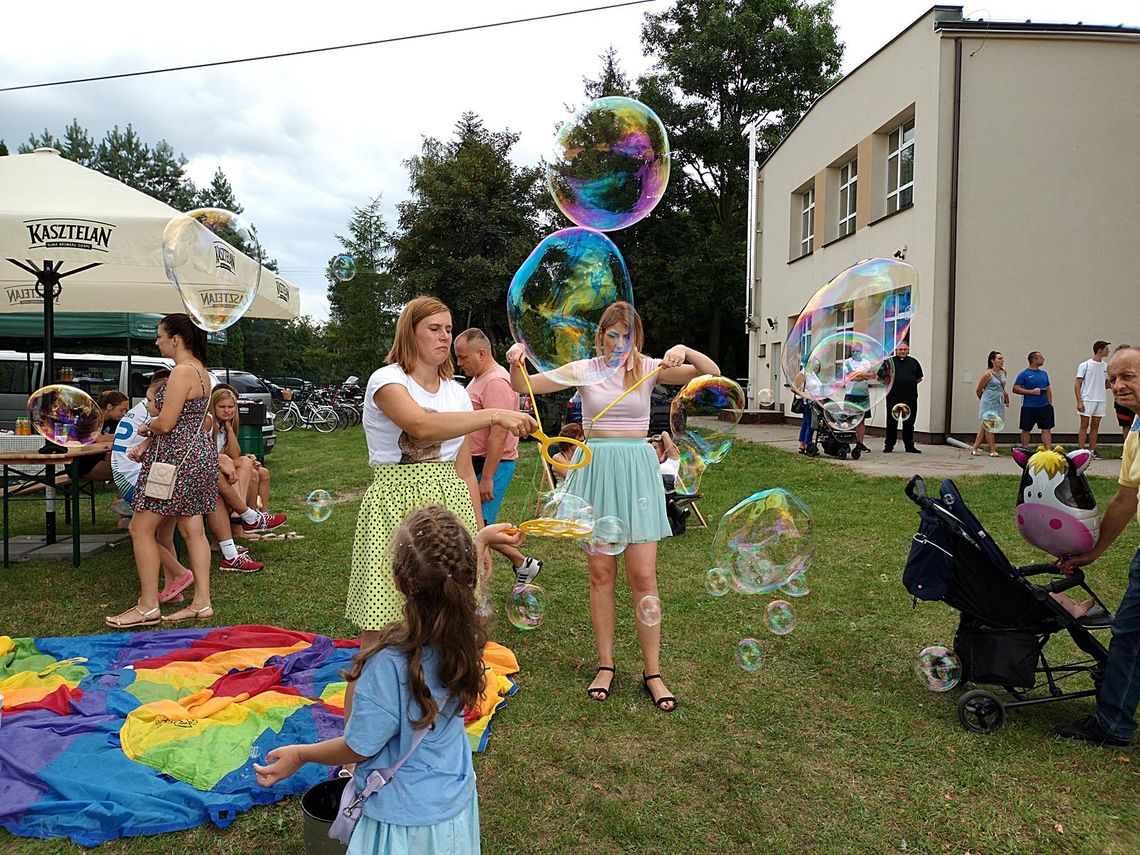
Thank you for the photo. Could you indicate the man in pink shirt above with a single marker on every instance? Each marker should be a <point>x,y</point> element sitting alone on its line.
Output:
<point>493,450</point>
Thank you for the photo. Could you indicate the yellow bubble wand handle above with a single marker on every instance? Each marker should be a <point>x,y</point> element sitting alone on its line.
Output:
<point>620,397</point>
<point>546,442</point>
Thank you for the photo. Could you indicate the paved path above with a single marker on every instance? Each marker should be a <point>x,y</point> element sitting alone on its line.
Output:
<point>934,458</point>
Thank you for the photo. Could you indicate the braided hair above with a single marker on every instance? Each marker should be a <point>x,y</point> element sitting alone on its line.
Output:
<point>434,565</point>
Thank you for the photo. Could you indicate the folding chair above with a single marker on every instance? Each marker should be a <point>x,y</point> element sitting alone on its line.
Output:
<point>547,483</point>
<point>689,500</point>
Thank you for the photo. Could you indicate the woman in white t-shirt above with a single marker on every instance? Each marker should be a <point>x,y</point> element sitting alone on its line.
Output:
<point>416,420</point>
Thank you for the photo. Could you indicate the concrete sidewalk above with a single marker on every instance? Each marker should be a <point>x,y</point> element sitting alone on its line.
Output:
<point>934,458</point>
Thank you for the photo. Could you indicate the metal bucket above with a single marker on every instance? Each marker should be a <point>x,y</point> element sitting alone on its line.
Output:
<point>319,805</point>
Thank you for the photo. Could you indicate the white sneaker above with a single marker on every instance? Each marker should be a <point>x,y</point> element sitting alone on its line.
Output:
<point>528,571</point>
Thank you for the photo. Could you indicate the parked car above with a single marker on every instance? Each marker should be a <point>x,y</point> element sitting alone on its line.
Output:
<point>550,411</point>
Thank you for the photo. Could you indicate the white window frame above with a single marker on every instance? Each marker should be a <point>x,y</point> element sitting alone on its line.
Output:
<point>807,220</point>
<point>805,341</point>
<point>900,145</point>
<point>844,322</point>
<point>892,323</point>
<point>848,182</point>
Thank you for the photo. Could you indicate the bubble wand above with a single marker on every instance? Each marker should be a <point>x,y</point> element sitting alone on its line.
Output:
<point>547,442</point>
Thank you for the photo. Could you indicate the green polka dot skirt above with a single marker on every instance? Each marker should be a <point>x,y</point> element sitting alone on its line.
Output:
<point>373,601</point>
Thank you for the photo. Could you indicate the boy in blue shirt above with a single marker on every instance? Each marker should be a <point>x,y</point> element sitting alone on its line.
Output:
<point>1036,401</point>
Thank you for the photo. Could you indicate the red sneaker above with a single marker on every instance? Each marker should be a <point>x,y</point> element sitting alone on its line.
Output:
<point>242,564</point>
<point>265,522</point>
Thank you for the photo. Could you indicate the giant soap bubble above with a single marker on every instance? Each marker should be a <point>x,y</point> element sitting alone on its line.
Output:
<point>705,414</point>
<point>65,415</point>
<point>849,373</point>
<point>877,298</point>
<point>213,258</point>
<point>557,299</point>
<point>764,540</point>
<point>610,164</point>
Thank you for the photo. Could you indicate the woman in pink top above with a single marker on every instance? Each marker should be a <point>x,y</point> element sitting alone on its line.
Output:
<point>623,480</point>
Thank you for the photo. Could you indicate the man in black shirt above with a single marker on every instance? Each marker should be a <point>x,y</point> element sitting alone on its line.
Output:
<point>904,390</point>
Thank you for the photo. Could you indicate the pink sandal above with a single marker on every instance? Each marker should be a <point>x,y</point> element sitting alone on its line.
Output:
<point>175,588</point>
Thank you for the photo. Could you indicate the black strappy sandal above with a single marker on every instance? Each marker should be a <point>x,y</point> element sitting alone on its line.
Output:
<point>664,699</point>
<point>591,691</point>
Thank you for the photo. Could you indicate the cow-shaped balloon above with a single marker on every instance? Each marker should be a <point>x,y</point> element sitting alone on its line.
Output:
<point>1056,509</point>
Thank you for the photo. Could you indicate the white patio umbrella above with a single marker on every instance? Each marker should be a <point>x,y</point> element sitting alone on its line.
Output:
<point>96,243</point>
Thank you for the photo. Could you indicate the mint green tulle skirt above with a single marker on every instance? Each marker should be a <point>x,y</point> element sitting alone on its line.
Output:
<point>624,480</point>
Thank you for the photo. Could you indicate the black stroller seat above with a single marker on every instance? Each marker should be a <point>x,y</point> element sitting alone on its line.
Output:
<point>1006,617</point>
<point>824,436</point>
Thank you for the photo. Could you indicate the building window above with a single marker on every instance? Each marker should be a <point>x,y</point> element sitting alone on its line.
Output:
<point>848,180</point>
<point>900,166</point>
<point>805,341</point>
<point>898,315</point>
<point>844,322</point>
<point>807,220</point>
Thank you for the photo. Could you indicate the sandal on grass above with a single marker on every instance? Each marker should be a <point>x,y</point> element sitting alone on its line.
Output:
<point>593,691</point>
<point>189,613</point>
<point>175,588</point>
<point>664,699</point>
<point>134,616</point>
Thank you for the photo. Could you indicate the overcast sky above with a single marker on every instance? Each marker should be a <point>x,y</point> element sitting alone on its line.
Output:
<point>305,139</point>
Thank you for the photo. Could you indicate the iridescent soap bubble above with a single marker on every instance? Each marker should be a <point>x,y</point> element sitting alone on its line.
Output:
<point>344,268</point>
<point>648,610</point>
<point>65,415</point>
<point>900,412</point>
<point>749,654</point>
<point>937,668</point>
<point>765,397</point>
<point>764,540</point>
<point>557,298</point>
<point>843,415</point>
<point>319,505</point>
<point>526,607</point>
<point>610,164</point>
<point>877,298</point>
<point>705,414</point>
<point>797,586</point>
<point>718,581</point>
<point>780,618</point>
<point>214,260</point>
<point>565,513</point>
<point>690,466</point>
<point>610,537</point>
<point>850,370</point>
<point>993,421</point>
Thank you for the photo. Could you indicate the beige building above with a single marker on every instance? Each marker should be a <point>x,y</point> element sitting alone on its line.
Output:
<point>1002,160</point>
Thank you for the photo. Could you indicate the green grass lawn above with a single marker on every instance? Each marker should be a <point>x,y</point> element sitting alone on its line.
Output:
<point>830,747</point>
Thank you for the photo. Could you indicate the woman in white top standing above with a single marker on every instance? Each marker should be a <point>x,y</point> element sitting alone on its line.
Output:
<point>416,420</point>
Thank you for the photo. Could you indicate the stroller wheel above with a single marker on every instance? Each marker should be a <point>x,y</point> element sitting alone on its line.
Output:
<point>981,711</point>
<point>843,454</point>
<point>856,454</point>
<point>812,450</point>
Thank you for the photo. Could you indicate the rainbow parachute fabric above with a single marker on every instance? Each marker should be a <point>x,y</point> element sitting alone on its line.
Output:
<point>126,734</point>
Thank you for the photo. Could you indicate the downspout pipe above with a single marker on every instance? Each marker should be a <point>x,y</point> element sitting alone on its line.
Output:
<point>952,273</point>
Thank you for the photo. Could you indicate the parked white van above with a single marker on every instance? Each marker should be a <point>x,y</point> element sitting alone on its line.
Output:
<point>22,373</point>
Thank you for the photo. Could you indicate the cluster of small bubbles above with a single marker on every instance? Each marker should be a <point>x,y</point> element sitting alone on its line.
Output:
<point>319,506</point>
<point>213,258</point>
<point>526,607</point>
<point>704,416</point>
<point>993,421</point>
<point>65,415</point>
<point>780,618</point>
<point>749,654</point>
<point>609,537</point>
<point>344,268</point>
<point>648,610</point>
<point>558,296</point>
<point>937,668</point>
<point>718,581</point>
<point>610,164</point>
<point>900,412</point>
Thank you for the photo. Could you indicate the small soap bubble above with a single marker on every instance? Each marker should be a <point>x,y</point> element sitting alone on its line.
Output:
<point>993,421</point>
<point>649,610</point>
<point>749,654</point>
<point>65,415</point>
<point>780,618</point>
<point>526,607</point>
<point>900,412</point>
<point>344,268</point>
<point>937,668</point>
<point>718,581</point>
<point>319,506</point>
<point>610,163</point>
<point>765,397</point>
<point>797,586</point>
<point>610,537</point>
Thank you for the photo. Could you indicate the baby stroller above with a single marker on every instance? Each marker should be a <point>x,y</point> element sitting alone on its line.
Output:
<point>834,442</point>
<point>1006,617</point>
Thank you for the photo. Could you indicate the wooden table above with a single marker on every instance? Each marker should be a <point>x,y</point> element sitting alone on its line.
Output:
<point>25,466</point>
